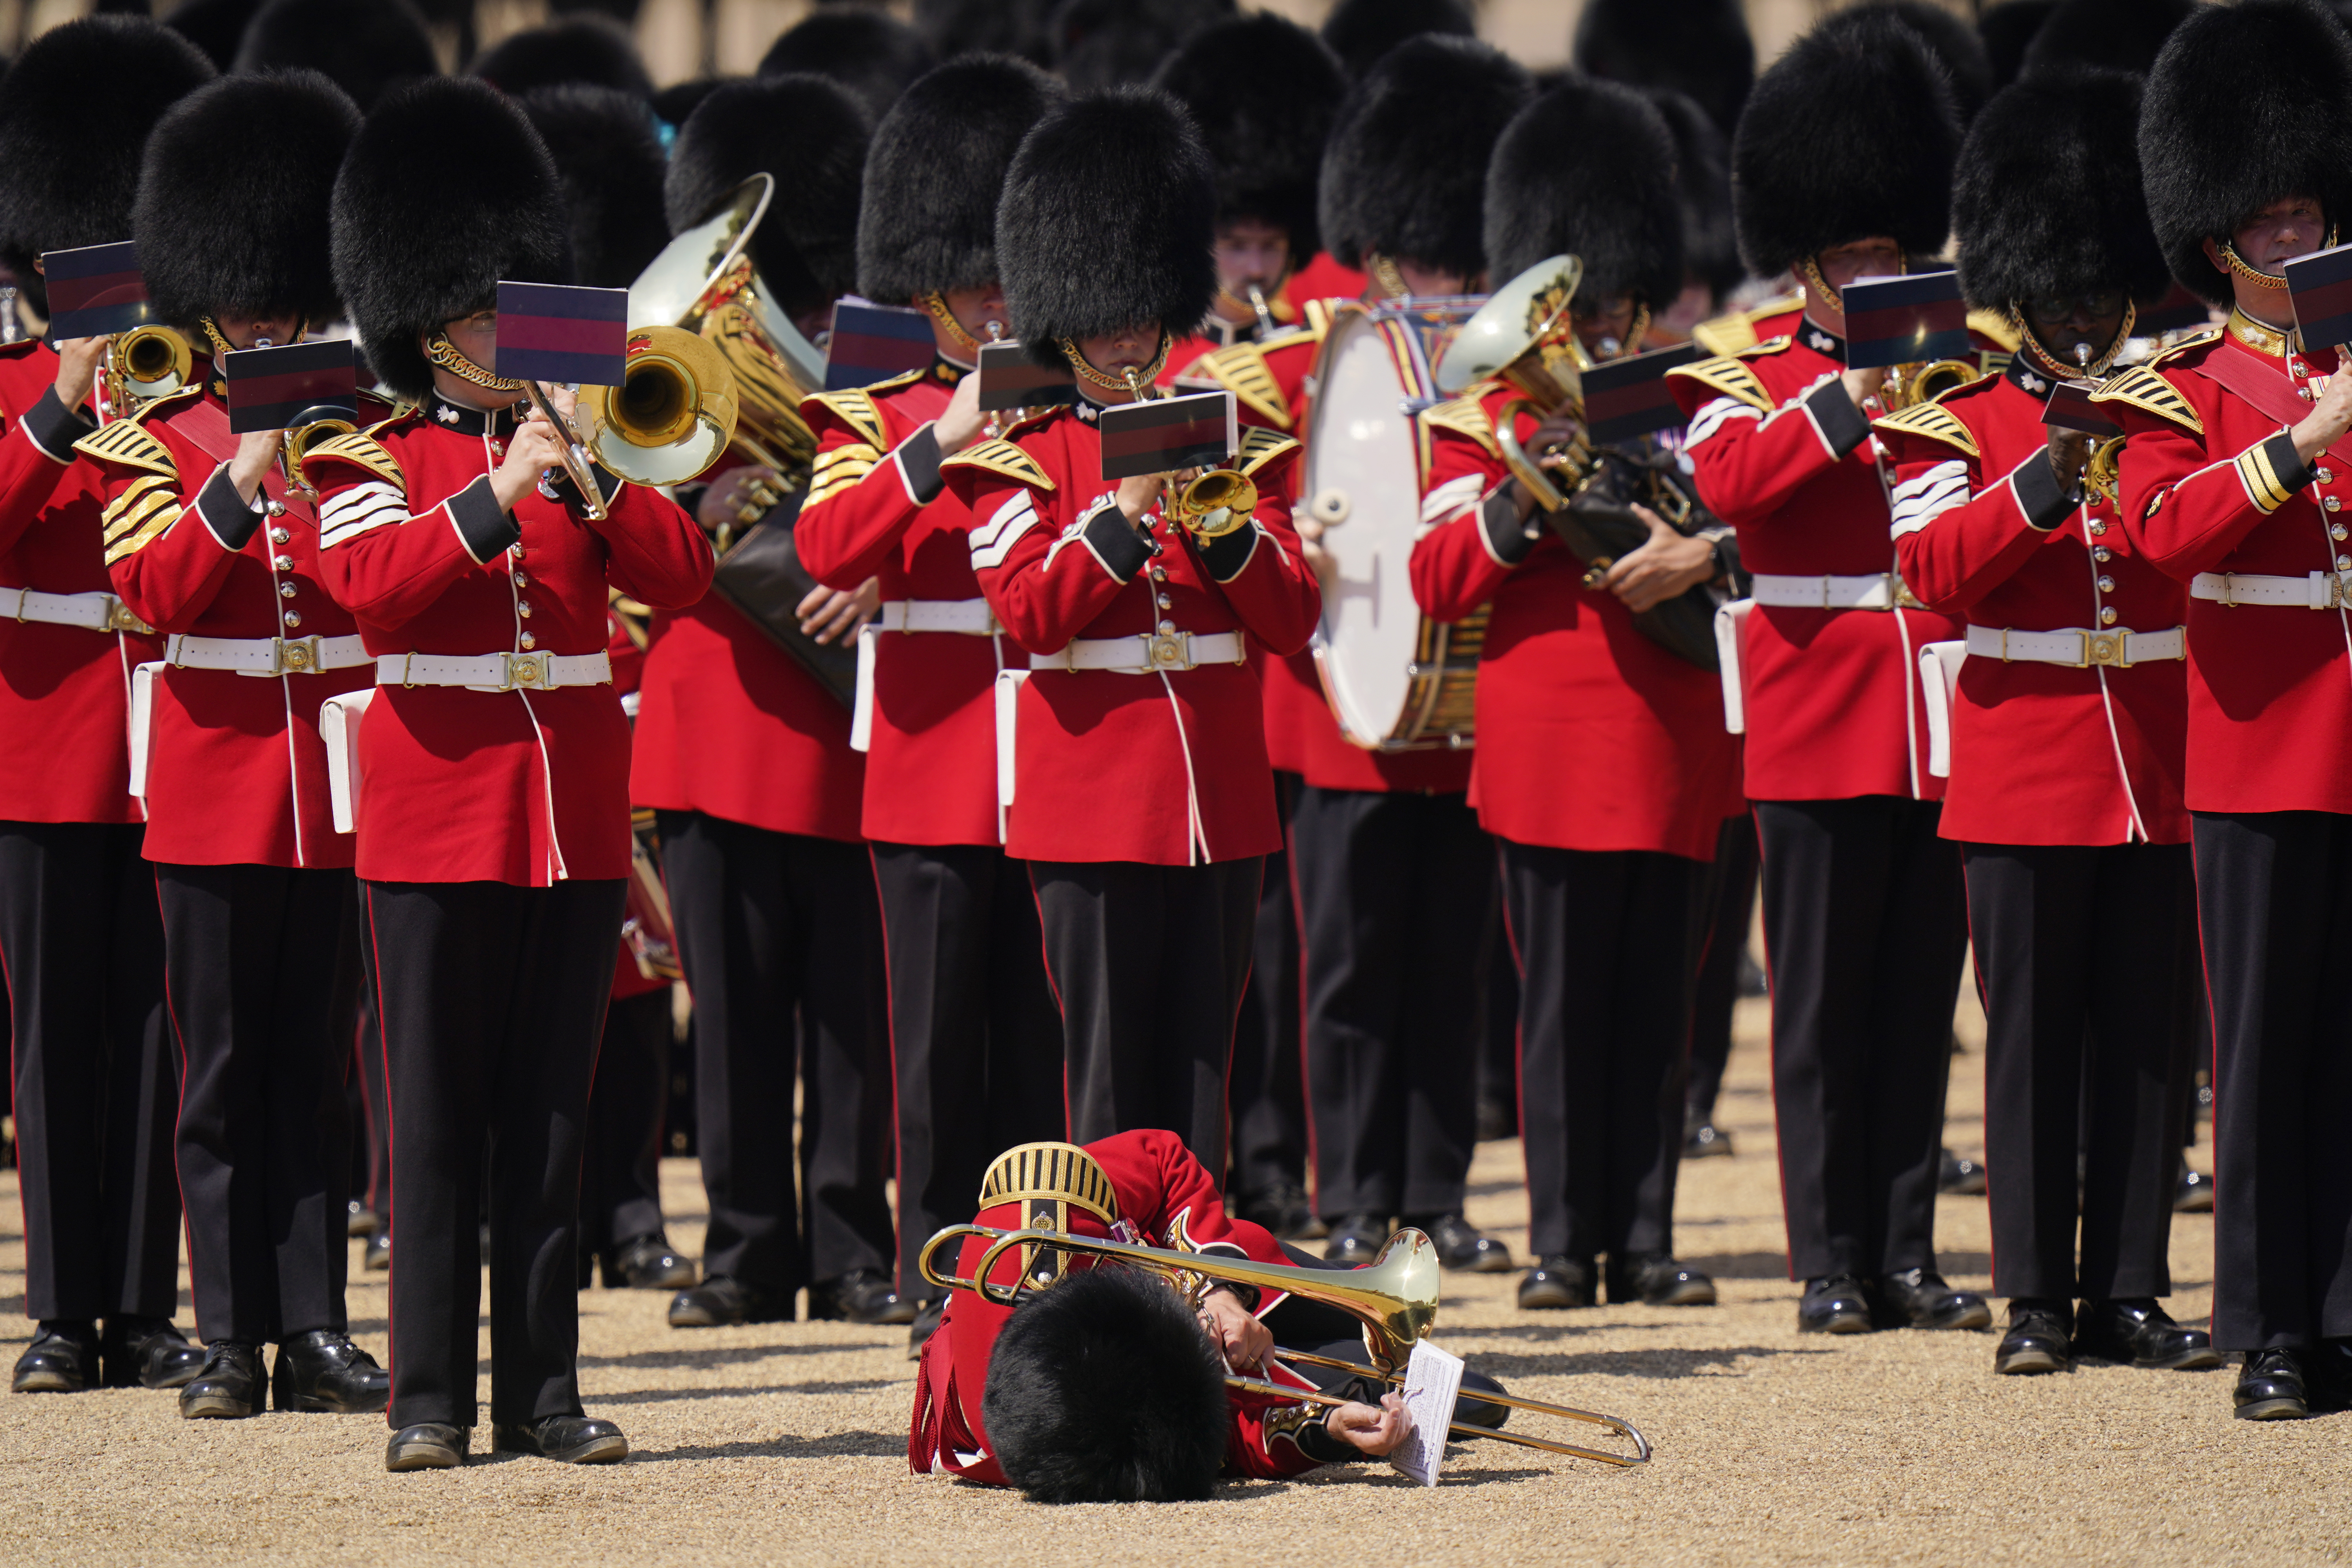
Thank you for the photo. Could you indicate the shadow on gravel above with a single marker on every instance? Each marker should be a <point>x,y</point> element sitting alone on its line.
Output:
<point>715,1356</point>
<point>1742,1265</point>
<point>1658,1363</point>
<point>832,1445</point>
<point>736,1391</point>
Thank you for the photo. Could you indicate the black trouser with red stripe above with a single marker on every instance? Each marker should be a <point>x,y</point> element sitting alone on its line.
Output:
<point>1727,900</point>
<point>492,1000</point>
<point>1265,1092</point>
<point>2086,961</point>
<point>258,959</point>
<point>1604,942</point>
<point>620,1175</point>
<point>1864,931</point>
<point>975,1042</point>
<point>2274,902</point>
<point>1394,895</point>
<point>95,1085</point>
<point>781,943</point>
<point>1147,965</point>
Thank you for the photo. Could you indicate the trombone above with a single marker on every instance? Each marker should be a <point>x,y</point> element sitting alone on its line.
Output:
<point>1394,1297</point>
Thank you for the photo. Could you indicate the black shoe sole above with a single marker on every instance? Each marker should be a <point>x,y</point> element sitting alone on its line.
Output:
<point>47,1382</point>
<point>1689,1293</point>
<point>1977,1317</point>
<point>2280,1409</point>
<point>283,1397</point>
<point>422,1457</point>
<point>609,1449</point>
<point>214,1408</point>
<point>1837,1323</point>
<point>2027,1362</point>
<point>2204,1358</point>
<point>1493,1263</point>
<point>1551,1299</point>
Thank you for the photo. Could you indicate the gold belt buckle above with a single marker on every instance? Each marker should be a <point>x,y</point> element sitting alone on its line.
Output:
<point>524,669</point>
<point>1168,650</point>
<point>2105,647</point>
<point>120,618</point>
<point>294,656</point>
<point>1905,599</point>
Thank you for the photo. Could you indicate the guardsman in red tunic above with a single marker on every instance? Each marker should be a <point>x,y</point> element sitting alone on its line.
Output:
<point>2236,475</point>
<point>209,539</point>
<point>1135,745</point>
<point>490,766</point>
<point>2065,736</point>
<point>1842,170</point>
<point>1603,768</point>
<point>83,951</point>
<point>974,1037</point>
<point>748,762</point>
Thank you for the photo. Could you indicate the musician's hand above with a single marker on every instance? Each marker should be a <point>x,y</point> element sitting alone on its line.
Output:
<point>1373,1432</point>
<point>960,423</point>
<point>2329,417</point>
<point>1139,493</point>
<point>531,450</point>
<point>2069,450</point>
<point>753,488</point>
<point>827,614</point>
<point>1863,385</point>
<point>1670,563</point>
<point>77,362</point>
<point>1319,560</point>
<point>1553,438</point>
<point>1230,1327</point>
<point>256,450</point>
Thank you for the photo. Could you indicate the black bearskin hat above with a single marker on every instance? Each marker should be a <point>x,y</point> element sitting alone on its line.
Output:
<point>2121,35</point>
<point>364,46</point>
<point>873,54</point>
<point>1104,1389</point>
<point>1850,135</point>
<point>2046,199</point>
<point>1955,44</point>
<point>1703,182</point>
<point>674,103</point>
<point>2007,31</point>
<point>75,110</point>
<point>583,48</point>
<point>1698,47</point>
<point>249,233</point>
<point>445,191</point>
<point>2247,103</point>
<point>810,134</point>
<point>1613,205</point>
<point>928,222</point>
<point>1405,173</point>
<point>985,27</point>
<point>1264,91</point>
<point>1099,44</point>
<point>609,156</point>
<point>1108,214</point>
<point>216,26</point>
<point>1361,31</point>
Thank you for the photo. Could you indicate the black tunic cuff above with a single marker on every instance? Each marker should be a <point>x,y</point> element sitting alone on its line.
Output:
<point>1115,543</point>
<point>1507,540</point>
<point>2045,506</point>
<point>54,427</point>
<point>1840,423</point>
<point>1227,556</point>
<point>918,465</point>
<point>228,514</point>
<point>484,528</point>
<point>2286,463</point>
<point>1315,1441</point>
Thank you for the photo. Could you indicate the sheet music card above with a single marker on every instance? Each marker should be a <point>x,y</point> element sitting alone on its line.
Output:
<point>1433,1381</point>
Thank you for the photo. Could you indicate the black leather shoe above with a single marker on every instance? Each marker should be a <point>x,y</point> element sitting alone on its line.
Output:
<point>148,1352</point>
<point>723,1299</point>
<point>1285,1211</point>
<point>1656,1279</point>
<point>427,1445</point>
<point>1557,1281</point>
<point>1705,1141</point>
<point>1356,1238</point>
<point>358,1219</point>
<point>2328,1374</point>
<point>926,1324</point>
<point>378,1256</point>
<point>228,1385</point>
<point>2037,1339</point>
<point>647,1263</point>
<point>1960,1178</point>
<point>2193,1193</point>
<point>568,1439</point>
<point>1461,1246</point>
<point>1833,1304</point>
<point>1918,1298</point>
<point>860,1296</point>
<point>2271,1387</point>
<point>62,1359</point>
<point>2139,1332</point>
<point>323,1371</point>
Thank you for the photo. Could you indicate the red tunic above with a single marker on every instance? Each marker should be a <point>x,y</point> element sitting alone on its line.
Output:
<point>1164,1198</point>
<point>64,690</point>
<point>1166,768</point>
<point>1832,698</point>
<point>458,785</point>
<point>877,508</point>
<point>1591,736</point>
<point>2211,484</point>
<point>2041,753</point>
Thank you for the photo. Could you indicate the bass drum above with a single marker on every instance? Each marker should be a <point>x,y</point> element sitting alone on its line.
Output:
<point>1396,680</point>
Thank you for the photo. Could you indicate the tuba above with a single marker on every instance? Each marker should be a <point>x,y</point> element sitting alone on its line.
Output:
<point>1522,335</point>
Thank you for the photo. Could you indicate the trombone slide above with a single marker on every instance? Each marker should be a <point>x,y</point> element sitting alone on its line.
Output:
<point>575,456</point>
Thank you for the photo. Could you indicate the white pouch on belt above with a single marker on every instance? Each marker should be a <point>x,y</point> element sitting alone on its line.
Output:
<point>143,720</point>
<point>861,708</point>
<point>1008,712</point>
<point>1730,620</point>
<point>339,727</point>
<point>1939,672</point>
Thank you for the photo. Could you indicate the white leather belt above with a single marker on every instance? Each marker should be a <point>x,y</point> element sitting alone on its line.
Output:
<point>2315,591</point>
<point>90,612</point>
<point>971,616</point>
<point>1147,653</point>
<point>1877,590</point>
<point>494,671</point>
<point>265,656</point>
<point>2119,647</point>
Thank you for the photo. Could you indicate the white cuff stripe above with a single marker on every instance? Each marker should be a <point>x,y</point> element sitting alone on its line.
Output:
<point>1712,418</point>
<point>1452,497</point>
<point>1921,500</point>
<point>351,525</point>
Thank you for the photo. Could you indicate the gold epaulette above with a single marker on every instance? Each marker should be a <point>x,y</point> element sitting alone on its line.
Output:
<point>1466,414</point>
<point>1730,334</point>
<point>1003,458</point>
<point>1314,316</point>
<point>854,407</point>
<point>1053,1173</point>
<point>362,451</point>
<point>124,444</point>
<point>1242,371</point>
<point>1260,447</point>
<point>1726,377</point>
<point>2142,388</point>
<point>1996,325</point>
<point>1933,421</point>
<point>2196,340</point>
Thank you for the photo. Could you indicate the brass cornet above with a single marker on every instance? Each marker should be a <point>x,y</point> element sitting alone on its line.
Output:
<point>1213,502</point>
<point>1924,381</point>
<point>145,363</point>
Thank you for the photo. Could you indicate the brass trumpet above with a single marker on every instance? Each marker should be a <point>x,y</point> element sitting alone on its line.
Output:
<point>1523,335</point>
<point>145,363</point>
<point>2103,474</point>
<point>1924,381</point>
<point>1213,502</point>
<point>1394,1297</point>
<point>300,436</point>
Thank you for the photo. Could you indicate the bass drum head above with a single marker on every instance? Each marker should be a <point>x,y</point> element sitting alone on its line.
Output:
<point>1363,483</point>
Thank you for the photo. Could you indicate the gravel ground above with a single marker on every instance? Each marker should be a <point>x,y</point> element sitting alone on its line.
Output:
<point>785,1442</point>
